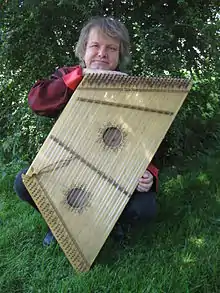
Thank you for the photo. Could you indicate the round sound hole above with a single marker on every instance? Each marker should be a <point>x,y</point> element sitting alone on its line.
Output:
<point>112,137</point>
<point>77,198</point>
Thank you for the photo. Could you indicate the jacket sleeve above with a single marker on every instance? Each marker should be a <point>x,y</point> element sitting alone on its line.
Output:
<point>48,97</point>
<point>154,171</point>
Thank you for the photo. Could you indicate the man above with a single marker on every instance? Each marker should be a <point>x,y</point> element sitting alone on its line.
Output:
<point>103,45</point>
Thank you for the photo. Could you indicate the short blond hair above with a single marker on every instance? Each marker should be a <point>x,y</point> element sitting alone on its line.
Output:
<point>112,28</point>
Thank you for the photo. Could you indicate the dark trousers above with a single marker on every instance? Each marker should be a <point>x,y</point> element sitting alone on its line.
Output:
<point>141,206</point>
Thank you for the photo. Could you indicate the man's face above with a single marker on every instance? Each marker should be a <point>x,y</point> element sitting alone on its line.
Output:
<point>102,51</point>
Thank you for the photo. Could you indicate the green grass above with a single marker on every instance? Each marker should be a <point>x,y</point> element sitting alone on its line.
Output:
<point>179,253</point>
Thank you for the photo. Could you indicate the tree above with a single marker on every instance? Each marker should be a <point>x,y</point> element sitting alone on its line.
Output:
<point>179,38</point>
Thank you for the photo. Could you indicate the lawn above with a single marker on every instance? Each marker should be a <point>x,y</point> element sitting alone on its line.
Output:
<point>178,253</point>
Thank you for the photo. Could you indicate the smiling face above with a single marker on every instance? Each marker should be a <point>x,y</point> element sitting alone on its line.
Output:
<point>102,51</point>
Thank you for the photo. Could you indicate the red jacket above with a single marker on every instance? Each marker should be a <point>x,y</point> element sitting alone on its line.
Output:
<point>48,97</point>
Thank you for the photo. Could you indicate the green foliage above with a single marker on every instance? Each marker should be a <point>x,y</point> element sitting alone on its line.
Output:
<point>196,126</point>
<point>176,38</point>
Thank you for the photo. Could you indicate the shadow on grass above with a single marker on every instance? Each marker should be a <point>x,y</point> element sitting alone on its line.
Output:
<point>13,286</point>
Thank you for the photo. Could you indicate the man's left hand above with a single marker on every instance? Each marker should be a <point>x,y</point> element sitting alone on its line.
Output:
<point>145,182</point>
